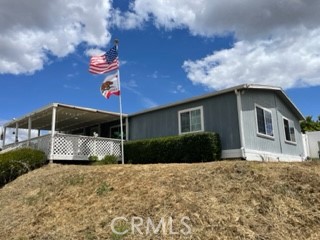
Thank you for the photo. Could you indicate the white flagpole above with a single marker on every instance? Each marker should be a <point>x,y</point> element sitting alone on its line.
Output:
<point>120,103</point>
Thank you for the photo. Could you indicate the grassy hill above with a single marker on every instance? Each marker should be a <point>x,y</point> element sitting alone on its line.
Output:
<point>220,200</point>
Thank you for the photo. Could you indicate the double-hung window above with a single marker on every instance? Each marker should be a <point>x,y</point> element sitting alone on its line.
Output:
<point>289,130</point>
<point>191,120</point>
<point>264,122</point>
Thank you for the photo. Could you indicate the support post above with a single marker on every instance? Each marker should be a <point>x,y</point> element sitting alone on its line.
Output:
<point>53,129</point>
<point>17,132</point>
<point>29,130</point>
<point>4,136</point>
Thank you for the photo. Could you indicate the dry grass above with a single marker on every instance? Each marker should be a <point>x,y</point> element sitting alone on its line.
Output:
<point>224,200</point>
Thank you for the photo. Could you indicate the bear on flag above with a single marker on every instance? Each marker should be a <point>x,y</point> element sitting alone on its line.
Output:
<point>110,86</point>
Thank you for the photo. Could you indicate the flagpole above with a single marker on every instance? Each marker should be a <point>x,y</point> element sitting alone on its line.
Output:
<point>116,42</point>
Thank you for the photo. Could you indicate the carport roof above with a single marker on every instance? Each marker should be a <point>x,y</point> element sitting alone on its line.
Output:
<point>68,117</point>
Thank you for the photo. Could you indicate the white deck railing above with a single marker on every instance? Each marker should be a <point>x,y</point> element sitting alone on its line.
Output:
<point>71,147</point>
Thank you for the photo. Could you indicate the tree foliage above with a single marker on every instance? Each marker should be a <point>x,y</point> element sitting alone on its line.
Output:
<point>309,124</point>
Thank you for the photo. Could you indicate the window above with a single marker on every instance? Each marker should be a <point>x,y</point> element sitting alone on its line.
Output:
<point>191,120</point>
<point>264,121</point>
<point>289,130</point>
<point>115,131</point>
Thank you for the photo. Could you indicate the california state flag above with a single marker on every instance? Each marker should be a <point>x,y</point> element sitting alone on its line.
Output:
<point>110,86</point>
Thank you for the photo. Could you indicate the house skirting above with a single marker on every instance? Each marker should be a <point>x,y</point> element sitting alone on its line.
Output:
<point>254,155</point>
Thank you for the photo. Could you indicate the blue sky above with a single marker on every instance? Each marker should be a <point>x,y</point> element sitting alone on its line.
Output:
<point>169,50</point>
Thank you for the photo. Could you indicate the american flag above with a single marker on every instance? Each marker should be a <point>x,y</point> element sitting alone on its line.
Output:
<point>104,63</point>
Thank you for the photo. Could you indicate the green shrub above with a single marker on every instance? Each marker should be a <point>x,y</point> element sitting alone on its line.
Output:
<point>108,159</point>
<point>17,162</point>
<point>189,148</point>
<point>93,158</point>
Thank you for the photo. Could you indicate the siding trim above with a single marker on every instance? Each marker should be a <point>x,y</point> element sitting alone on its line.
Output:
<point>241,129</point>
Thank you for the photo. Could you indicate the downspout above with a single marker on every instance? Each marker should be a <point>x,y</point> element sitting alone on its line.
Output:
<point>239,108</point>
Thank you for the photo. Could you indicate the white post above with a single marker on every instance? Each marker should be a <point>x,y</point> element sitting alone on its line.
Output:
<point>120,103</point>
<point>4,136</point>
<point>29,131</point>
<point>53,129</point>
<point>17,132</point>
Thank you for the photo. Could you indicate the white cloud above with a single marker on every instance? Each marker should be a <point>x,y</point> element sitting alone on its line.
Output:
<point>132,86</point>
<point>179,89</point>
<point>276,42</point>
<point>246,18</point>
<point>30,30</point>
<point>290,61</point>
<point>71,87</point>
<point>94,52</point>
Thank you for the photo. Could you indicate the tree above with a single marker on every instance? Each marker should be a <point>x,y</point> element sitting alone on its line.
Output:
<point>309,125</point>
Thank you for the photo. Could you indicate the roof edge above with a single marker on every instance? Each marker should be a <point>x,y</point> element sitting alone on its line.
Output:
<point>51,105</point>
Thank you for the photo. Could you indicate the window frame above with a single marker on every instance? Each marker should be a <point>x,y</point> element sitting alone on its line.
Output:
<point>190,110</point>
<point>265,135</point>
<point>118,126</point>
<point>284,130</point>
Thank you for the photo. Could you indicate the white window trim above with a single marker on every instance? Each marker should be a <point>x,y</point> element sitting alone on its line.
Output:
<point>284,131</point>
<point>189,110</point>
<point>257,126</point>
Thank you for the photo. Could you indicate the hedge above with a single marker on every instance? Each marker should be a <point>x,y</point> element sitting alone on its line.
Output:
<point>20,161</point>
<point>188,148</point>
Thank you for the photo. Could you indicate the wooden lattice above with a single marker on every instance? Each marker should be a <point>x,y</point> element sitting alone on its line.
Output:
<point>81,147</point>
<point>72,147</point>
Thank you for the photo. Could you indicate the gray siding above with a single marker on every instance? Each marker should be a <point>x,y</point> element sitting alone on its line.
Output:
<point>220,116</point>
<point>271,101</point>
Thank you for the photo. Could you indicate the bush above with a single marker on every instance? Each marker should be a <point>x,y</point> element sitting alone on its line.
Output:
<point>93,158</point>
<point>17,162</point>
<point>189,148</point>
<point>108,159</point>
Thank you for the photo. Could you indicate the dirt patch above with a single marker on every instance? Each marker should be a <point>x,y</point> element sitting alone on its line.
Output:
<point>220,200</point>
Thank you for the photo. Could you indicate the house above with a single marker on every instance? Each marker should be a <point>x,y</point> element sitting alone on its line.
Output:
<point>255,122</point>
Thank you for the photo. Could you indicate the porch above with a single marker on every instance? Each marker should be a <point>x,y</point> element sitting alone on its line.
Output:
<point>66,132</point>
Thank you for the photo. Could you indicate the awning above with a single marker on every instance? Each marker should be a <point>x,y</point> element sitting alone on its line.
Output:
<point>68,118</point>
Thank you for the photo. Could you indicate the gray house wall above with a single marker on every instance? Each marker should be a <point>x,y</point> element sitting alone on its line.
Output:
<point>219,113</point>
<point>271,101</point>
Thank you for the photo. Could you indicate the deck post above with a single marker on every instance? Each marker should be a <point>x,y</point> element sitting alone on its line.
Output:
<point>53,129</point>
<point>29,130</point>
<point>4,136</point>
<point>17,132</point>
